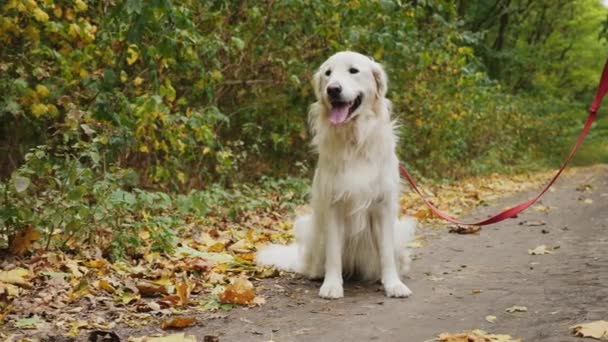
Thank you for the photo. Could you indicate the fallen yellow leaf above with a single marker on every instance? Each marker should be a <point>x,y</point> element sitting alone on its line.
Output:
<point>183,290</point>
<point>17,276</point>
<point>516,308</point>
<point>476,336</point>
<point>597,330</point>
<point>133,54</point>
<point>540,250</point>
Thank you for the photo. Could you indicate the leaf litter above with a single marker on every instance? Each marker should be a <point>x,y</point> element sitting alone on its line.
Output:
<point>212,268</point>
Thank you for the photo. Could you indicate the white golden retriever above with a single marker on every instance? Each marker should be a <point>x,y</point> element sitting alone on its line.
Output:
<point>354,228</point>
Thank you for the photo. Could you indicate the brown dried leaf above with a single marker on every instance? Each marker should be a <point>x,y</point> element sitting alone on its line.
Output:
<point>536,223</point>
<point>464,229</point>
<point>183,290</point>
<point>240,292</point>
<point>177,322</point>
<point>195,264</point>
<point>23,240</point>
<point>149,289</point>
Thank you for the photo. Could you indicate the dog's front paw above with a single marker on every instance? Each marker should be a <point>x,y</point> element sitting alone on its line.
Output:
<point>397,289</point>
<point>331,290</point>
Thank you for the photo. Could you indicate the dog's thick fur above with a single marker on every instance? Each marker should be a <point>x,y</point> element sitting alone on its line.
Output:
<point>354,228</point>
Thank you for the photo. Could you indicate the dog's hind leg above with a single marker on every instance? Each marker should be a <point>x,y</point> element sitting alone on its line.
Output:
<point>405,229</point>
<point>311,243</point>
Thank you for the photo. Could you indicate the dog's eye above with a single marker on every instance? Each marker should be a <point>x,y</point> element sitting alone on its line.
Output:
<point>328,72</point>
<point>353,70</point>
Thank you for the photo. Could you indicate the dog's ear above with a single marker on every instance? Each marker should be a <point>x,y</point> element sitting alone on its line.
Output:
<point>381,79</point>
<point>316,83</point>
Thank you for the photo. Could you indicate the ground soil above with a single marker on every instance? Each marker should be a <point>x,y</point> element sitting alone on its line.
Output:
<point>458,280</point>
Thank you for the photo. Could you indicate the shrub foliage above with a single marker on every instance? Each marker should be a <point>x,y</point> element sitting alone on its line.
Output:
<point>102,98</point>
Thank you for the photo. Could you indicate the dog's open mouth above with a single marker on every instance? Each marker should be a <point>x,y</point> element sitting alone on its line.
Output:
<point>342,111</point>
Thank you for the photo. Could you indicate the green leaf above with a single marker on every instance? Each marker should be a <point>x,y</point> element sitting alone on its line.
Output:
<point>33,322</point>
<point>238,43</point>
<point>217,257</point>
<point>21,183</point>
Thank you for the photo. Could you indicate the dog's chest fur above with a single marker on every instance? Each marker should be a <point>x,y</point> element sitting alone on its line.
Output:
<point>357,164</point>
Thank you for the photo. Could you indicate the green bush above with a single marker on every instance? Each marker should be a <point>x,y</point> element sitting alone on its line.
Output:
<point>101,99</point>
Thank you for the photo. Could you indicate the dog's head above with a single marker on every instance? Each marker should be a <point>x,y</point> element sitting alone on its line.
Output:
<point>347,84</point>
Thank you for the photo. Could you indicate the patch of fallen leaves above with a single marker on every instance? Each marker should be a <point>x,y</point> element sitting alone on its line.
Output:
<point>476,336</point>
<point>58,294</point>
<point>596,329</point>
<point>461,197</point>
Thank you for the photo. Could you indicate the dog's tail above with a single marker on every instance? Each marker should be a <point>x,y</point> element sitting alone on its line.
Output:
<point>280,256</point>
<point>405,230</point>
<point>288,258</point>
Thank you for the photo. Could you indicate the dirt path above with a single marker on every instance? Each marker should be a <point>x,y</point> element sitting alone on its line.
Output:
<point>458,280</point>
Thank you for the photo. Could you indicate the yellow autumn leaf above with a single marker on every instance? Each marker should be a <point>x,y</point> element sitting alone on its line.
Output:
<point>69,14</point>
<point>596,329</point>
<point>52,109</point>
<point>38,109</point>
<point>138,81</point>
<point>30,4</point>
<point>80,6</point>
<point>42,91</point>
<point>216,75</point>
<point>132,54</point>
<point>40,15</point>
<point>183,289</point>
<point>57,11</point>
<point>105,284</point>
<point>76,326</point>
<point>74,30</point>
<point>181,177</point>
<point>17,276</point>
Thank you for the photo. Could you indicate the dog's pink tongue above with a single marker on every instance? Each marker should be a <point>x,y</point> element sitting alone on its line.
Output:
<point>338,114</point>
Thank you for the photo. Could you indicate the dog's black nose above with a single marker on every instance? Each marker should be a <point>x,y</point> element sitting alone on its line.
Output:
<point>334,90</point>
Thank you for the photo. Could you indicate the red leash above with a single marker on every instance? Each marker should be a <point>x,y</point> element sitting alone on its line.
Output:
<point>513,211</point>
